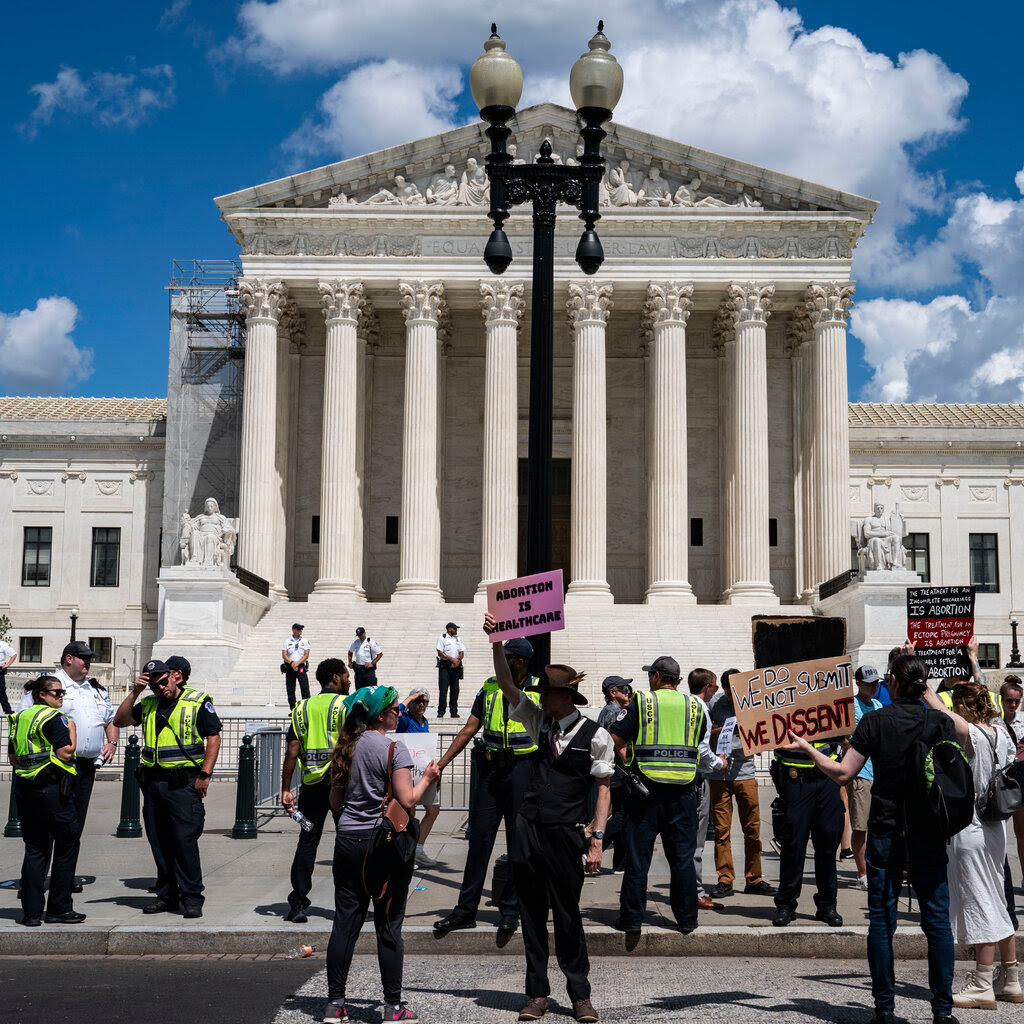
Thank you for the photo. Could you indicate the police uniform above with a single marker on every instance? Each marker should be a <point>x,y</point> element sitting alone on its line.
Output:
<point>363,650</point>
<point>503,759</point>
<point>294,647</point>
<point>315,723</point>
<point>173,748</point>
<point>43,787</point>
<point>808,807</point>
<point>667,732</point>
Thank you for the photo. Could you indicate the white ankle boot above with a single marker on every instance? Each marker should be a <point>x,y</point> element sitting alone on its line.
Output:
<point>977,991</point>
<point>1006,984</point>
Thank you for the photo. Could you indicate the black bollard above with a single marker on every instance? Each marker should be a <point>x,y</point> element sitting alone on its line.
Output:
<point>12,830</point>
<point>245,792</point>
<point>130,827</point>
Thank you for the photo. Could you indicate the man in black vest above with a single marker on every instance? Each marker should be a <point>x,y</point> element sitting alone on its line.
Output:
<point>551,841</point>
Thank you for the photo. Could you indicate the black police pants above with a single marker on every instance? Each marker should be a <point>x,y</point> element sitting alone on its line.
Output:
<point>498,796</point>
<point>447,690</point>
<point>174,819</point>
<point>547,861</point>
<point>315,803</point>
<point>807,808</point>
<point>85,769</point>
<point>350,905</point>
<point>615,830</point>
<point>4,702</point>
<point>366,675</point>
<point>49,827</point>
<point>291,677</point>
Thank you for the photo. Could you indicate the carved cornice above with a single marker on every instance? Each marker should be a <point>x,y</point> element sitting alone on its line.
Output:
<point>948,481</point>
<point>501,301</point>
<point>66,476</point>
<point>588,302</point>
<point>667,302</point>
<point>261,299</point>
<point>829,303</point>
<point>342,300</point>
<point>751,302</point>
<point>423,300</point>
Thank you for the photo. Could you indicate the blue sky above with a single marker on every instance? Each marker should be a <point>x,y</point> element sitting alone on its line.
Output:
<point>124,121</point>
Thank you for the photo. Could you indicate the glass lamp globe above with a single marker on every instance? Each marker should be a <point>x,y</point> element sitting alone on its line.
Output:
<point>496,79</point>
<point>596,78</point>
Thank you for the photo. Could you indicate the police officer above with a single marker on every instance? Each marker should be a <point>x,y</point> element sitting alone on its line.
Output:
<point>311,738</point>
<point>503,761</point>
<point>176,770</point>
<point>42,752</point>
<point>664,734</point>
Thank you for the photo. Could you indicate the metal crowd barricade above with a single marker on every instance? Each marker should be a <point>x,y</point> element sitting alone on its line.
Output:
<point>270,744</point>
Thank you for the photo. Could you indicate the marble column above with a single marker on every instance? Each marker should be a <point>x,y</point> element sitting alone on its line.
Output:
<point>261,534</point>
<point>291,330</point>
<point>366,338</point>
<point>801,347</point>
<point>420,525</point>
<point>502,303</point>
<point>588,307</point>
<point>342,302</point>
<point>748,522</point>
<point>828,305</point>
<point>724,335</point>
<point>667,310</point>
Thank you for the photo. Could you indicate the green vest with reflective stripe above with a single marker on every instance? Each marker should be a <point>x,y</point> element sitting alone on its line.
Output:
<point>500,732</point>
<point>946,696</point>
<point>665,749</point>
<point>33,751</point>
<point>316,722</point>
<point>163,750</point>
<point>791,760</point>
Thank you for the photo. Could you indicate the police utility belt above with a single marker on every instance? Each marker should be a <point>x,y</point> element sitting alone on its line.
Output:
<point>176,778</point>
<point>796,773</point>
<point>496,759</point>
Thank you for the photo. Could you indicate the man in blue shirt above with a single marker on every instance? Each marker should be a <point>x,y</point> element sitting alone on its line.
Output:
<point>858,790</point>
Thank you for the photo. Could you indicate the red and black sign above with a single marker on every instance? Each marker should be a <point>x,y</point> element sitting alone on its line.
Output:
<point>940,621</point>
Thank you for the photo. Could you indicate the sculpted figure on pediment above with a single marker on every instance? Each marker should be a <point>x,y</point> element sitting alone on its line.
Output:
<point>405,194</point>
<point>340,200</point>
<point>513,151</point>
<point>444,189</point>
<point>686,195</point>
<point>620,188</point>
<point>474,189</point>
<point>654,191</point>
<point>575,161</point>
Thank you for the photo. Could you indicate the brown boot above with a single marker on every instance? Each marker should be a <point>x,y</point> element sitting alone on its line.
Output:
<point>534,1009</point>
<point>583,1010</point>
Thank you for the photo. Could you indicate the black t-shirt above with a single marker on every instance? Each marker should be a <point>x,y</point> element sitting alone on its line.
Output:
<point>477,711</point>
<point>886,736</point>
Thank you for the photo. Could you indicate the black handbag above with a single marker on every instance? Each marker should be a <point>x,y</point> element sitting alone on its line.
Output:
<point>392,844</point>
<point>1003,795</point>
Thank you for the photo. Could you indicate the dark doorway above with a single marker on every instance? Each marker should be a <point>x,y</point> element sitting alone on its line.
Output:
<point>561,491</point>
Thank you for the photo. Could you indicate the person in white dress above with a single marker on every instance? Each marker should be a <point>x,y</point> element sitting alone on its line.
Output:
<point>977,904</point>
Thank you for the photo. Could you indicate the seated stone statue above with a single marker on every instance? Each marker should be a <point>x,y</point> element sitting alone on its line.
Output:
<point>620,188</point>
<point>654,191</point>
<point>474,189</point>
<point>209,538</point>
<point>880,539</point>
<point>444,189</point>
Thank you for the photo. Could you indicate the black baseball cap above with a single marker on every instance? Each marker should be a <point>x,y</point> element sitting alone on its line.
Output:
<point>360,631</point>
<point>298,625</point>
<point>156,668</point>
<point>665,665</point>
<point>614,683</point>
<point>176,663</point>
<point>78,649</point>
<point>451,625</point>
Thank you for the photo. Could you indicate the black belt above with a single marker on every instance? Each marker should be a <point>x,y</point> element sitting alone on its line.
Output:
<point>807,773</point>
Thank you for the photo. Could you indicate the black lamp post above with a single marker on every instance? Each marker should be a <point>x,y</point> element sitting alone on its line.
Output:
<point>1014,661</point>
<point>74,624</point>
<point>496,81</point>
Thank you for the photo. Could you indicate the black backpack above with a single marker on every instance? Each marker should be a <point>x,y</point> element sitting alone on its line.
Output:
<point>939,785</point>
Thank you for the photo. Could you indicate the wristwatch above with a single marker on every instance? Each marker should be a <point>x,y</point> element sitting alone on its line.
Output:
<point>597,834</point>
<point>205,775</point>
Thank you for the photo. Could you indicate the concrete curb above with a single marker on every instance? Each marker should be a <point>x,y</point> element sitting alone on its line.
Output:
<point>793,942</point>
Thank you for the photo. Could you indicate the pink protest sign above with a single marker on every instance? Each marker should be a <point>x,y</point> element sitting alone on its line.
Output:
<point>527,605</point>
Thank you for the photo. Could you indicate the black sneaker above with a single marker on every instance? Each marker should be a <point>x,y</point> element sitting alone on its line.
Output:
<point>846,854</point>
<point>761,888</point>
<point>783,916</point>
<point>452,923</point>
<point>296,915</point>
<point>335,1012</point>
<point>193,910</point>
<point>68,917</point>
<point>721,891</point>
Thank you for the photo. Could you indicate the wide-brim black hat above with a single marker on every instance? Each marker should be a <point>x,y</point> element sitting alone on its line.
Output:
<point>561,677</point>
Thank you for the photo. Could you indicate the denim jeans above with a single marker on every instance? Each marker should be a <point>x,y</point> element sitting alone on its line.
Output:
<point>926,864</point>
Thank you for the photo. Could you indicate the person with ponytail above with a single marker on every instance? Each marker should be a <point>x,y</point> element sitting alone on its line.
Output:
<point>359,786</point>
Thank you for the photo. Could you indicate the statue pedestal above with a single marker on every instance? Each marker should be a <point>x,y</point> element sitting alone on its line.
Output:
<point>875,609</point>
<point>205,616</point>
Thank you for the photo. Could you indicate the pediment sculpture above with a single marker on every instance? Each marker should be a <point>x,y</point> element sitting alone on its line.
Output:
<point>207,539</point>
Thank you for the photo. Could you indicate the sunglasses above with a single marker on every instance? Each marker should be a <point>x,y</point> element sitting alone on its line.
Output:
<point>55,693</point>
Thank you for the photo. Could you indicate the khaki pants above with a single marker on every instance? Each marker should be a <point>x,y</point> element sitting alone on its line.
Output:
<point>745,792</point>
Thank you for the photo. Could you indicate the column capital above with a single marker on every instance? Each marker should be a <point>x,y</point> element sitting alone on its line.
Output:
<point>723,327</point>
<point>799,328</point>
<point>262,299</point>
<point>829,303</point>
<point>423,300</point>
<point>751,301</point>
<point>292,322</point>
<point>341,300</point>
<point>501,301</point>
<point>668,302</point>
<point>368,328</point>
<point>588,301</point>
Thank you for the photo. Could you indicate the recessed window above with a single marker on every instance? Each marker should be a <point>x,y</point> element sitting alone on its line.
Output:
<point>918,555</point>
<point>773,533</point>
<point>103,648</point>
<point>984,553</point>
<point>35,561</point>
<point>988,655</point>
<point>391,529</point>
<point>696,533</point>
<point>30,650</point>
<point>314,535</point>
<point>106,556</point>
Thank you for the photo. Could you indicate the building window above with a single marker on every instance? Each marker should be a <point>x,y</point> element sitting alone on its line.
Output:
<point>773,533</point>
<point>35,562</point>
<point>106,556</point>
<point>984,562</point>
<point>918,557</point>
<point>391,529</point>
<point>696,533</point>
<point>314,535</point>
<point>30,650</point>
<point>988,655</point>
<point>103,648</point>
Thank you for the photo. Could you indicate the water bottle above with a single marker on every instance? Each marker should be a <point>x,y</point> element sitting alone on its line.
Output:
<point>99,762</point>
<point>301,952</point>
<point>303,821</point>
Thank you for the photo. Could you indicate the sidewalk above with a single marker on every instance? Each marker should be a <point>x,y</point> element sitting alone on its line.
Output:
<point>247,886</point>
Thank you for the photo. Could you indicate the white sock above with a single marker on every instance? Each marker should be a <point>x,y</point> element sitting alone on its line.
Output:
<point>864,879</point>
<point>419,847</point>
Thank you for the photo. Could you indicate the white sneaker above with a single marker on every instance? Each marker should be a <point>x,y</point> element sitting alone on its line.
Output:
<point>424,861</point>
<point>861,883</point>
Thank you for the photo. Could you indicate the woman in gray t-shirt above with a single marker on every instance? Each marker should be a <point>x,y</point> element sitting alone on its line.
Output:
<point>359,785</point>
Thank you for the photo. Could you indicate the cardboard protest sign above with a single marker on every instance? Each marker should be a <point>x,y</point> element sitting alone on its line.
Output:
<point>423,748</point>
<point>940,621</point>
<point>812,698</point>
<point>527,605</point>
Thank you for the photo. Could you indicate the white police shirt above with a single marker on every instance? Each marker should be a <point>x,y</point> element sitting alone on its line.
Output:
<point>364,651</point>
<point>450,646</point>
<point>6,653</point>
<point>295,646</point>
<point>90,709</point>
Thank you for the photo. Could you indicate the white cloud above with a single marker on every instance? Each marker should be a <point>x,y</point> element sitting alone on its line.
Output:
<point>173,14</point>
<point>37,353</point>
<point>105,98</point>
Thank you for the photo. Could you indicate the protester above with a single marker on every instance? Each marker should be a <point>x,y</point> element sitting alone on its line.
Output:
<point>888,737</point>
<point>617,693</point>
<point>858,790</point>
<point>363,656</point>
<point>664,734</point>
<point>312,736</point>
<point>1011,693</point>
<point>551,837</point>
<point>412,719</point>
<point>737,781</point>
<point>977,907</point>
<point>295,662</point>
<point>41,750</point>
<point>703,685</point>
<point>359,788</point>
<point>450,652</point>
